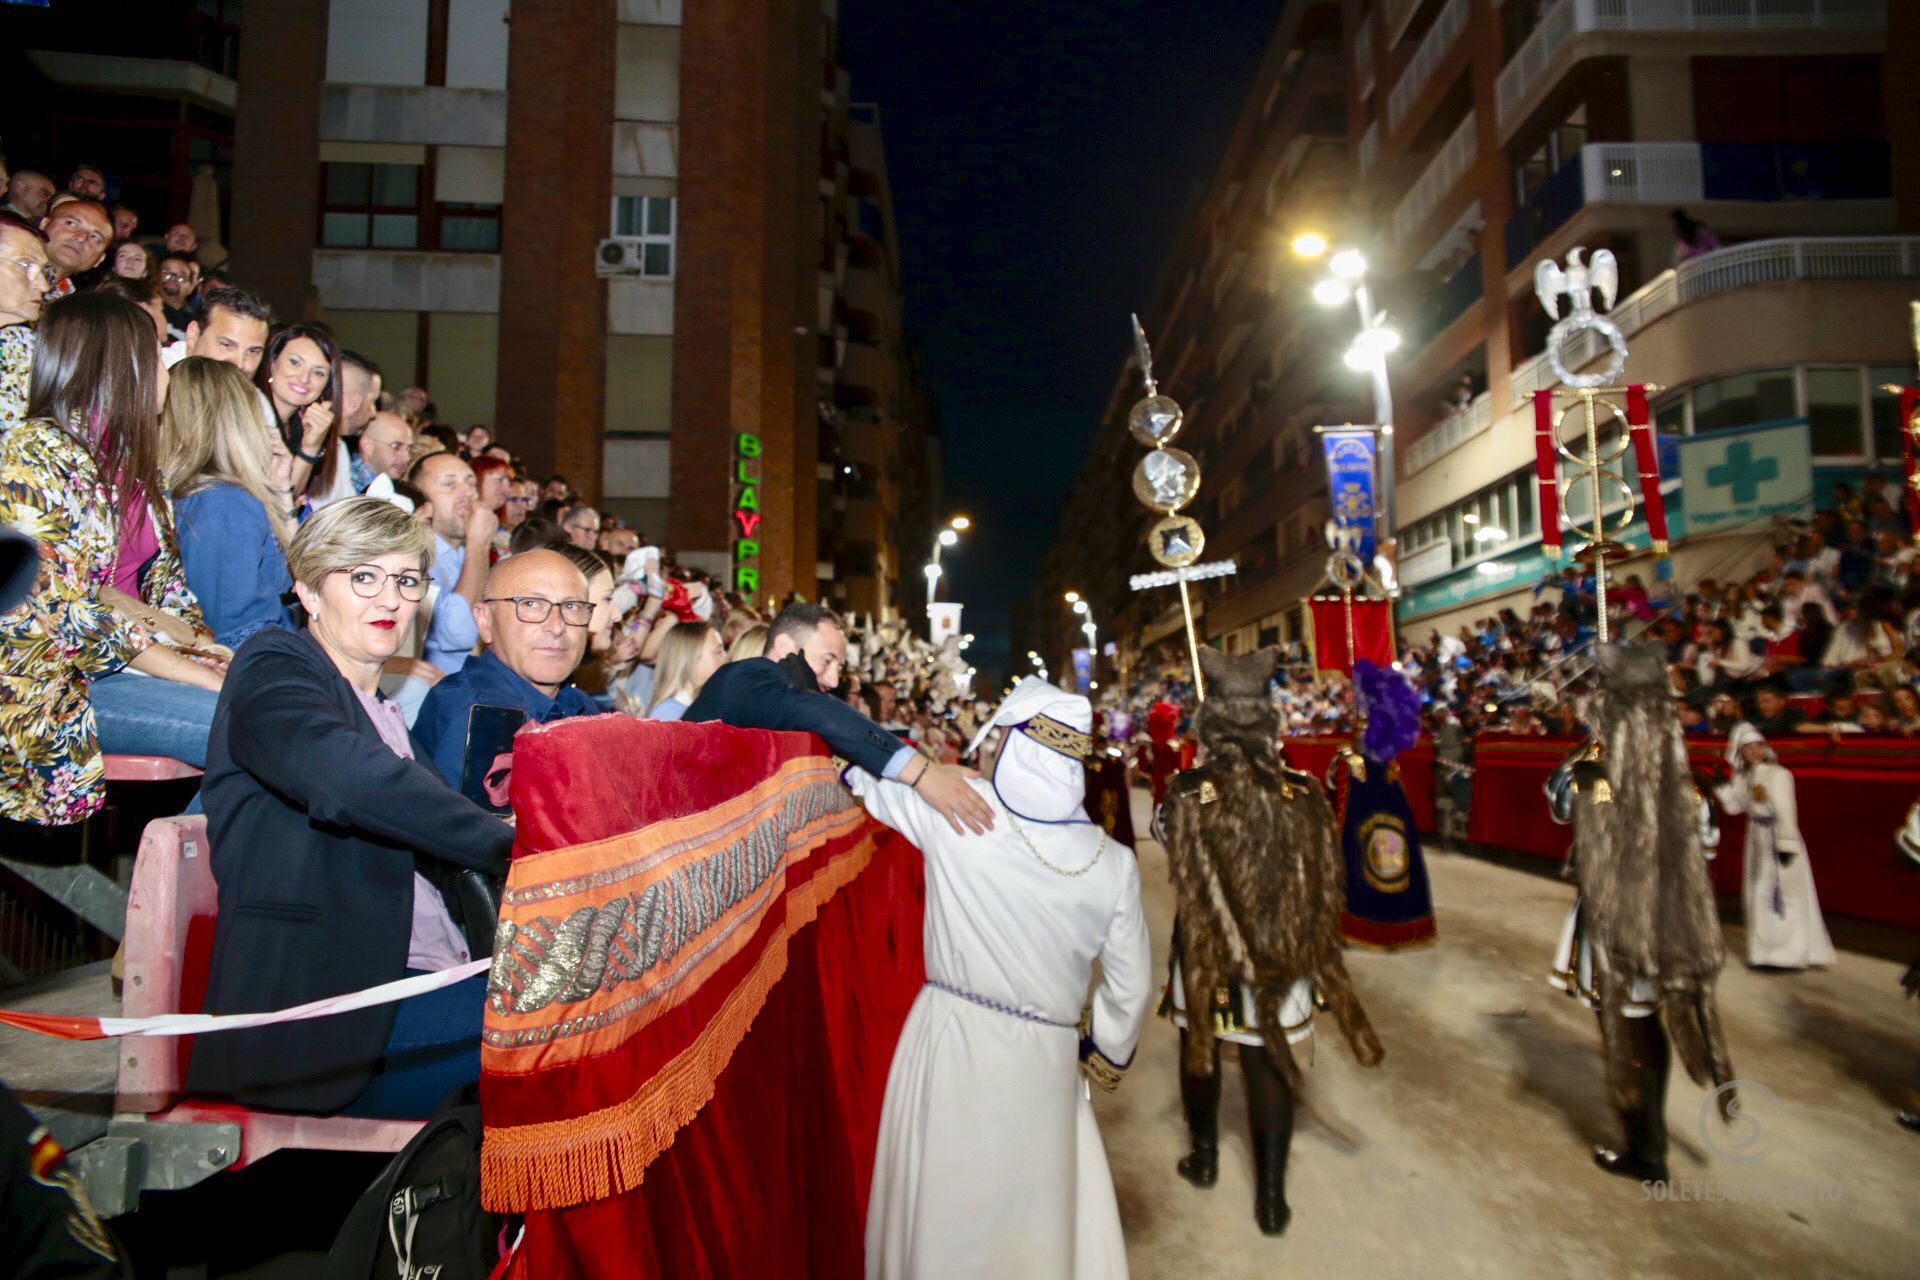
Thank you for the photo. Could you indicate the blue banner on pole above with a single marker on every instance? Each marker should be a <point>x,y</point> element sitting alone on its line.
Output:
<point>1350,489</point>
<point>1082,669</point>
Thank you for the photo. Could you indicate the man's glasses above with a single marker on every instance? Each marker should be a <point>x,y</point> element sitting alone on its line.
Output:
<point>368,582</point>
<point>537,609</point>
<point>175,277</point>
<point>42,272</point>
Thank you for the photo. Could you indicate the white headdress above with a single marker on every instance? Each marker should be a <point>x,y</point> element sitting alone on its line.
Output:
<point>1744,733</point>
<point>1039,774</point>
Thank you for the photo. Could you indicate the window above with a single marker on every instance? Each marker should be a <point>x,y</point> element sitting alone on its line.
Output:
<point>370,206</point>
<point>1833,412</point>
<point>1670,416</point>
<point>1743,399</point>
<point>470,228</point>
<point>651,221</point>
<point>1885,408</point>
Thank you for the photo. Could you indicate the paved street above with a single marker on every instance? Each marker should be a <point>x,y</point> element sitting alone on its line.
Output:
<point>1465,1153</point>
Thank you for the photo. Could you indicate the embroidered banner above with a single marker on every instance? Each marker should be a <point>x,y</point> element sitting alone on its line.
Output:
<point>660,872</point>
<point>1350,488</point>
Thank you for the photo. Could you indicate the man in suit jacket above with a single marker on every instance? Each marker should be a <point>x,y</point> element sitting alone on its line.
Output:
<point>806,652</point>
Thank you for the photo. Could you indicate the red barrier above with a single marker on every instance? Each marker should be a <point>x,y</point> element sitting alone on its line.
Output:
<point>1853,794</point>
<point>1416,770</point>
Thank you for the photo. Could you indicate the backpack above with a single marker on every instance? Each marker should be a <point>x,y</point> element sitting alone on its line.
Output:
<point>421,1219</point>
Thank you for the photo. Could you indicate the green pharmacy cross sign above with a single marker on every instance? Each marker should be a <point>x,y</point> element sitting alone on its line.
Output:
<point>1743,472</point>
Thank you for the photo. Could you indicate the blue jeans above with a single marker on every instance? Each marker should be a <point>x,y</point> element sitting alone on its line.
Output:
<point>433,1049</point>
<point>147,716</point>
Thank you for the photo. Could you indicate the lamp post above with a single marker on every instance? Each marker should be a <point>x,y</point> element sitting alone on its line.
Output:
<point>1092,633</point>
<point>1368,352</point>
<point>947,537</point>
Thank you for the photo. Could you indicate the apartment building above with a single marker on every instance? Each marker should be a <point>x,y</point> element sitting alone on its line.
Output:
<point>619,232</point>
<point>1485,136</point>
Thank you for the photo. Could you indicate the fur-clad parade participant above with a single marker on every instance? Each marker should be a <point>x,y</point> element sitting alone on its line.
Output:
<point>1257,879</point>
<point>1642,946</point>
<point>1784,926</point>
<point>989,1160</point>
<point>1389,902</point>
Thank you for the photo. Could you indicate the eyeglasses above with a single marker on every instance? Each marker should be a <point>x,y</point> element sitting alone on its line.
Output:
<point>519,502</point>
<point>40,271</point>
<point>175,277</point>
<point>369,581</point>
<point>537,609</point>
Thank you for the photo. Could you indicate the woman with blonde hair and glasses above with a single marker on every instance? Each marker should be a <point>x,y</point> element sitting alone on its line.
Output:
<point>688,656</point>
<point>317,811</point>
<point>231,473</point>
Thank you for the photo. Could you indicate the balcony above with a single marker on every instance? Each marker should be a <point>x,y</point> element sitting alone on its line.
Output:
<point>1446,303</point>
<point>1399,17</point>
<point>1363,59</point>
<point>1369,147</point>
<point>1724,270</point>
<point>1679,173</point>
<point>429,115</point>
<point>1539,62</point>
<point>1449,165</point>
<point>1426,60</point>
<point>1450,434</point>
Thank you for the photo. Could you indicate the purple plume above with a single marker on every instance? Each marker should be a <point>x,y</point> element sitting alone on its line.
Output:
<point>1392,709</point>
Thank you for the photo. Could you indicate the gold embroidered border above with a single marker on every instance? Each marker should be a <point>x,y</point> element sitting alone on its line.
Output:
<point>1055,736</point>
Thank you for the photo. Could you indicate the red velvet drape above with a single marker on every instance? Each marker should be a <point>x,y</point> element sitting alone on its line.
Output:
<point>769,1176</point>
<point>1853,796</point>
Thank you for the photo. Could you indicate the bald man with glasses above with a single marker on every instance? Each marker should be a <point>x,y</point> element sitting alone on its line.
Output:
<point>533,615</point>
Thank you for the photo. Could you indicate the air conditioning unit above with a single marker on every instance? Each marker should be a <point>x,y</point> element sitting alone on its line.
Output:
<point>620,256</point>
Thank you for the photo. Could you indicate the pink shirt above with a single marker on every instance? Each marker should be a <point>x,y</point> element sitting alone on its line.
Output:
<point>435,943</point>
<point>138,544</point>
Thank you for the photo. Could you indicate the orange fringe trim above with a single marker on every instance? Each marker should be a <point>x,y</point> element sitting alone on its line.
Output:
<point>558,1163</point>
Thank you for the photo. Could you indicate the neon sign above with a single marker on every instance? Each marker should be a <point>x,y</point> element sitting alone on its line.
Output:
<point>746,513</point>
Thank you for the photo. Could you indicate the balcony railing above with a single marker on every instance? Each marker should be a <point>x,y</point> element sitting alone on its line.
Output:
<point>1534,64</point>
<point>1426,60</point>
<point>1363,58</point>
<point>1399,15</point>
<point>1721,271</point>
<point>1678,173</point>
<point>1369,147</point>
<point>1448,166</point>
<point>1451,434</point>
<point>1445,303</point>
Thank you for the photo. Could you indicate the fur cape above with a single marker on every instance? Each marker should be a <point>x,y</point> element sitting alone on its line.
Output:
<point>1257,871</point>
<point>1645,896</point>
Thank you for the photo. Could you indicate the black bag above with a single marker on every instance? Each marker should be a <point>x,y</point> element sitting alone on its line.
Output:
<point>421,1219</point>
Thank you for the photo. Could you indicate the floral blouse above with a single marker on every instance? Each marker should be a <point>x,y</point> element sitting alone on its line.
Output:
<point>16,370</point>
<point>51,771</point>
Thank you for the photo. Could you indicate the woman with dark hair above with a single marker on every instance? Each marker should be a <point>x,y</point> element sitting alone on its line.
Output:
<point>297,376</point>
<point>81,476</point>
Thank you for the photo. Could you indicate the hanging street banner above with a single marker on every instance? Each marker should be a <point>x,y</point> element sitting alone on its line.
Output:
<point>1082,669</point>
<point>943,621</point>
<point>1744,478</point>
<point>1350,488</point>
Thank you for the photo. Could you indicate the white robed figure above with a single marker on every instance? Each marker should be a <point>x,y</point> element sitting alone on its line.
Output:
<point>1784,926</point>
<point>989,1161</point>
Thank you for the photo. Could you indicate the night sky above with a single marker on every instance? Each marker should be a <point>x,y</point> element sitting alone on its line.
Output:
<point>1042,153</point>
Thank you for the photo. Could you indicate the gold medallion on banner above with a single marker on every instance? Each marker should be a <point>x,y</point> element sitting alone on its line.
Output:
<point>1176,541</point>
<point>1166,480</point>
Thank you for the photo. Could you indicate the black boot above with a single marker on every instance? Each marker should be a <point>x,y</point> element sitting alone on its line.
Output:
<point>1200,1095</point>
<point>1270,1108</point>
<point>1645,1157</point>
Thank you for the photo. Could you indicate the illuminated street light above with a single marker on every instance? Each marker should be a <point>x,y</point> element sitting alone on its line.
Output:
<point>961,523</point>
<point>1348,264</point>
<point>1377,339</point>
<point>948,537</point>
<point>1072,597</point>
<point>933,575</point>
<point>1309,244</point>
<point>1332,293</point>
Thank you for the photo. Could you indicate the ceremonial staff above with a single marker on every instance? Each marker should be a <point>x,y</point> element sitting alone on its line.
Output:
<point>1590,392</point>
<point>1165,481</point>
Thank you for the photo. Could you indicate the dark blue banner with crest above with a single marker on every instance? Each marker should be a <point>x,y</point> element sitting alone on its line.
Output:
<point>1350,489</point>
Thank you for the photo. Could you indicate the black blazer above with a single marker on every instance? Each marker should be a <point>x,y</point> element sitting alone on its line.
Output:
<point>756,694</point>
<point>314,824</point>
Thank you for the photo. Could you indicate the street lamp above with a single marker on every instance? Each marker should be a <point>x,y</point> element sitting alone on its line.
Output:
<point>947,537</point>
<point>1368,353</point>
